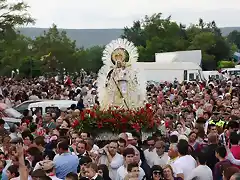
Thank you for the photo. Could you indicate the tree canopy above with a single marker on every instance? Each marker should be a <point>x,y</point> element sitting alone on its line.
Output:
<point>54,52</point>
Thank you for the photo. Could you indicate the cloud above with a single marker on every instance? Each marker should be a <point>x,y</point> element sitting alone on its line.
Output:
<point>117,14</point>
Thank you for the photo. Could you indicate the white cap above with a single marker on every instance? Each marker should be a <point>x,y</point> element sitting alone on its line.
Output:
<point>129,136</point>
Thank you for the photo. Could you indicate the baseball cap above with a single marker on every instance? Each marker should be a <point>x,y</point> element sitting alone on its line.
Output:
<point>46,165</point>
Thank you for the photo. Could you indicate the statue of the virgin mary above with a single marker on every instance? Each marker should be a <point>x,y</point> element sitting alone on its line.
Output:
<point>119,81</point>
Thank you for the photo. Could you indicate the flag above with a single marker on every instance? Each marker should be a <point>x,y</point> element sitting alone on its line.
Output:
<point>67,81</point>
<point>45,56</point>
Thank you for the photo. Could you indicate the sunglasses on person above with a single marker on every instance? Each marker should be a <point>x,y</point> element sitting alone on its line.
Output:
<point>157,172</point>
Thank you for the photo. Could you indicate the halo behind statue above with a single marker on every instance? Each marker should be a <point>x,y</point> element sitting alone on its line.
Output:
<point>120,50</point>
<point>117,51</point>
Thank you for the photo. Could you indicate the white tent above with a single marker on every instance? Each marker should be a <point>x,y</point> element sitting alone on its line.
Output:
<point>194,56</point>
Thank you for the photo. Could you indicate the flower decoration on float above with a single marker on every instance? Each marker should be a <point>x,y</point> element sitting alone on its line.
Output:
<point>117,120</point>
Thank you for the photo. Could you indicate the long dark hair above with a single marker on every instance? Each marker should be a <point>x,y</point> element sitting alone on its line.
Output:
<point>105,171</point>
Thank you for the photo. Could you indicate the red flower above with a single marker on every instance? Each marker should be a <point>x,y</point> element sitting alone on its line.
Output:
<point>166,124</point>
<point>124,120</point>
<point>75,123</point>
<point>27,121</point>
<point>136,127</point>
<point>88,111</point>
<point>148,105</point>
<point>82,115</point>
<point>93,114</point>
<point>100,125</point>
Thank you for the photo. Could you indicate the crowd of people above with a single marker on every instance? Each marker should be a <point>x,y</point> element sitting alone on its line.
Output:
<point>198,137</point>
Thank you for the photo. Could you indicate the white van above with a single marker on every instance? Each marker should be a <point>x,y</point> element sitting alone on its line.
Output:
<point>55,105</point>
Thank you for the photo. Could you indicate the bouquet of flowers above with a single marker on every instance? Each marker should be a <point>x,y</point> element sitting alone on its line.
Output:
<point>116,120</point>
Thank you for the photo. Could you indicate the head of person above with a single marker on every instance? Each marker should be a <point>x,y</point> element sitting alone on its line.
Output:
<point>85,135</point>
<point>74,137</point>
<point>212,138</point>
<point>235,176</point>
<point>40,142</point>
<point>182,147</point>
<point>83,163</point>
<point>121,145</point>
<point>128,155</point>
<point>173,151</point>
<point>192,137</point>
<point>201,158</point>
<point>150,143</point>
<point>220,152</point>
<point>71,176</point>
<point>62,147</point>
<point>234,138</point>
<point>12,172</point>
<point>2,122</point>
<point>38,174</point>
<point>168,172</point>
<point>81,147</point>
<point>91,170</point>
<point>112,148</point>
<point>103,171</point>
<point>136,157</point>
<point>27,138</point>
<point>173,139</point>
<point>228,172</point>
<point>212,128</point>
<point>156,172</point>
<point>160,147</point>
<point>133,170</point>
<point>233,126</point>
<point>48,117</point>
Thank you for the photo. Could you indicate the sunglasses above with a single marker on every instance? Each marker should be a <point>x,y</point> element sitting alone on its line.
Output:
<point>157,172</point>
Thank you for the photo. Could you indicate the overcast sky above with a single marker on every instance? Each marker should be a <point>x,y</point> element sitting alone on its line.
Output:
<point>88,14</point>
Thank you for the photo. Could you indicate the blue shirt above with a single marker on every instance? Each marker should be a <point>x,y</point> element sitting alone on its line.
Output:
<point>64,164</point>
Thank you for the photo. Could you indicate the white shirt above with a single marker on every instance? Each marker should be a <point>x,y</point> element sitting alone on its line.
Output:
<point>54,178</point>
<point>185,164</point>
<point>117,161</point>
<point>149,155</point>
<point>202,172</point>
<point>122,172</point>
<point>161,161</point>
<point>176,169</point>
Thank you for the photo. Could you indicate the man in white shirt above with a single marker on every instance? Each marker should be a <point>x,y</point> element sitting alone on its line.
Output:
<point>202,171</point>
<point>111,158</point>
<point>161,157</point>
<point>150,153</point>
<point>185,162</point>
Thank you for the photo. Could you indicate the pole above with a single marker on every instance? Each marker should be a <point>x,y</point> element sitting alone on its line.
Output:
<point>31,66</point>
<point>120,93</point>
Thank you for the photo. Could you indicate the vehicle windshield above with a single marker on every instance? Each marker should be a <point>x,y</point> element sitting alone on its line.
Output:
<point>12,113</point>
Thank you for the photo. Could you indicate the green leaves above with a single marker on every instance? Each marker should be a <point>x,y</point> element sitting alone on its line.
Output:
<point>156,34</point>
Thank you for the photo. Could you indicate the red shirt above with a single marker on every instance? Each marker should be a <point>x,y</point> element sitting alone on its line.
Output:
<point>235,149</point>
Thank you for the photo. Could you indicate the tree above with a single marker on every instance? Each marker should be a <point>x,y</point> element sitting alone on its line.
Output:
<point>234,37</point>
<point>12,44</point>
<point>14,14</point>
<point>135,34</point>
<point>60,48</point>
<point>159,34</point>
<point>13,51</point>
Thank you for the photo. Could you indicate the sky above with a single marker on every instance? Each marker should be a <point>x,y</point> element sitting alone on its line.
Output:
<point>97,14</point>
